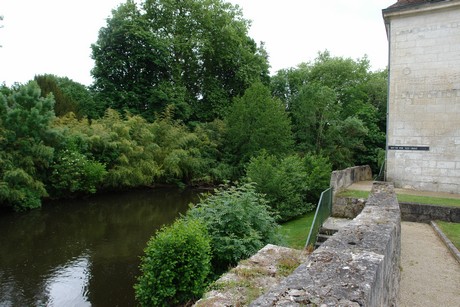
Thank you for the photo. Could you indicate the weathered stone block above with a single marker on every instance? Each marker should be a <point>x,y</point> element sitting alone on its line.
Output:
<point>347,207</point>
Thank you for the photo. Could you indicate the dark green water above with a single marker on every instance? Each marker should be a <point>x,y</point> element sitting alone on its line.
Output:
<point>82,252</point>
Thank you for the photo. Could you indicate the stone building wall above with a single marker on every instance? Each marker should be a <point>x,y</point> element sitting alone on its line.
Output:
<point>423,137</point>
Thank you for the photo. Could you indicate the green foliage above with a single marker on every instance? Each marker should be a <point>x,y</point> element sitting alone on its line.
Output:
<point>193,55</point>
<point>125,147</point>
<point>313,110</point>
<point>345,139</point>
<point>178,151</point>
<point>319,171</point>
<point>257,122</point>
<point>238,221</point>
<point>136,152</point>
<point>81,96</point>
<point>291,184</point>
<point>283,183</point>
<point>63,103</point>
<point>69,96</point>
<point>25,130</point>
<point>175,265</point>
<point>72,172</point>
<point>338,108</point>
<point>20,190</point>
<point>211,138</point>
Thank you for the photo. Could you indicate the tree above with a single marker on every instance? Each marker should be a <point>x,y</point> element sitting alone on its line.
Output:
<point>337,106</point>
<point>69,96</point>
<point>313,111</point>
<point>257,122</point>
<point>25,131</point>
<point>194,54</point>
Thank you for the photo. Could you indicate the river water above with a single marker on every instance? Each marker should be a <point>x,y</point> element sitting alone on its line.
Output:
<point>82,252</point>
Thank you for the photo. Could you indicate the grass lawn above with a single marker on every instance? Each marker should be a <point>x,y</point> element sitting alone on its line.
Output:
<point>452,231</point>
<point>295,232</point>
<point>407,198</point>
<point>448,202</point>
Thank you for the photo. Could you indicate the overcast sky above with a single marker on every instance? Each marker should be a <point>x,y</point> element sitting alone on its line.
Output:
<point>54,36</point>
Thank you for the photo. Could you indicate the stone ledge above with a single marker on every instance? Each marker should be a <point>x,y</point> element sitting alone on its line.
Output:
<point>357,266</point>
<point>252,277</point>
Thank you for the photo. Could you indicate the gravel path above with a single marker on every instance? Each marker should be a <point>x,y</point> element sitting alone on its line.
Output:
<point>430,275</point>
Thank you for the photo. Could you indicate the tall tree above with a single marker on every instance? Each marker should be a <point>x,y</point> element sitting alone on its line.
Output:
<point>257,122</point>
<point>337,106</point>
<point>193,54</point>
<point>69,96</point>
<point>25,130</point>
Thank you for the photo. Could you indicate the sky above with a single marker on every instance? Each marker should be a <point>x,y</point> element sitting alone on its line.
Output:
<point>54,36</point>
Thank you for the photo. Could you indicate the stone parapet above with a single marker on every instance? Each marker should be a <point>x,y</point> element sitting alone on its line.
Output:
<point>342,179</point>
<point>357,266</point>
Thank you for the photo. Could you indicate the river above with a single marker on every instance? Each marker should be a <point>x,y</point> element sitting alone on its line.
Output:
<point>82,252</point>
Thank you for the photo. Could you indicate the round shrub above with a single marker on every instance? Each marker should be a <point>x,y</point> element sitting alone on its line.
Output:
<point>175,265</point>
<point>239,223</point>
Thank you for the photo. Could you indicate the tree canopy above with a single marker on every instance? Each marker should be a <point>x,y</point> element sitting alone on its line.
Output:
<point>257,122</point>
<point>195,55</point>
<point>338,108</point>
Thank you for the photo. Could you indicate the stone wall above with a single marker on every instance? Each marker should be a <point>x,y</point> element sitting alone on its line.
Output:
<point>423,130</point>
<point>350,207</point>
<point>357,266</point>
<point>342,179</point>
<point>413,212</point>
<point>347,207</point>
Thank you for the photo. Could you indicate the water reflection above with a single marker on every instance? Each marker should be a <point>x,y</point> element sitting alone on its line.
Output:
<point>81,253</point>
<point>68,285</point>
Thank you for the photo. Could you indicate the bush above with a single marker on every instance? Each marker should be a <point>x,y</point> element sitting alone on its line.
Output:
<point>72,172</point>
<point>291,185</point>
<point>284,183</point>
<point>175,265</point>
<point>239,223</point>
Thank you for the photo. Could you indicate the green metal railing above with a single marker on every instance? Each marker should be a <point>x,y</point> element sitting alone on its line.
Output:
<point>323,211</point>
<point>381,175</point>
